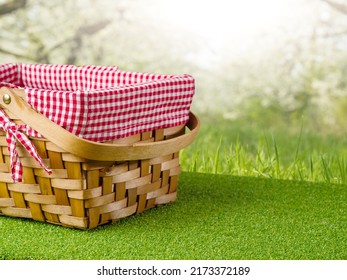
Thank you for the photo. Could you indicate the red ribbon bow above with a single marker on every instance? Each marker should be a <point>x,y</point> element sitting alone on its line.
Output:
<point>15,133</point>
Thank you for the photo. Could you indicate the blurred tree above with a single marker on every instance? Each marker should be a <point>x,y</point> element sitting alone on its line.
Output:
<point>106,32</point>
<point>337,5</point>
<point>30,34</point>
<point>303,77</point>
<point>9,7</point>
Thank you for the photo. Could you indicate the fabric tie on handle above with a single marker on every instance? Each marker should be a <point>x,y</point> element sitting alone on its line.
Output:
<point>14,132</point>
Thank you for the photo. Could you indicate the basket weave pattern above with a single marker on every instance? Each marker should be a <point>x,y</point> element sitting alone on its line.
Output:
<point>83,193</point>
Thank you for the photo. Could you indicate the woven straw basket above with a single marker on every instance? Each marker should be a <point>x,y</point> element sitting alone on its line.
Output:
<point>91,183</point>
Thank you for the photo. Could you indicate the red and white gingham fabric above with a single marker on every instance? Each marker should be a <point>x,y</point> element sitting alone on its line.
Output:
<point>101,103</point>
<point>15,133</point>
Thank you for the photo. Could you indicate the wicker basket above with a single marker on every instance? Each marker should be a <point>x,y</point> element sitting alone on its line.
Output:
<point>91,183</point>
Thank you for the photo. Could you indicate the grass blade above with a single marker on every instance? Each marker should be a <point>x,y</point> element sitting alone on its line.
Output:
<point>216,157</point>
<point>277,160</point>
<point>326,170</point>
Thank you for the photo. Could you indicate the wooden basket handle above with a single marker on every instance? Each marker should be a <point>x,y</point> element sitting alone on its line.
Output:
<point>11,100</point>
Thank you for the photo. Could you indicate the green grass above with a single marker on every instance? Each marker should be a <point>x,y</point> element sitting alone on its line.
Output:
<point>215,217</point>
<point>281,153</point>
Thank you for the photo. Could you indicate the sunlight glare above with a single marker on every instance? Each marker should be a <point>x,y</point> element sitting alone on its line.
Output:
<point>222,21</point>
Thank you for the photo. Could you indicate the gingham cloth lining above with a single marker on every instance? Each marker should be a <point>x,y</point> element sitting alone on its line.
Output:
<point>100,103</point>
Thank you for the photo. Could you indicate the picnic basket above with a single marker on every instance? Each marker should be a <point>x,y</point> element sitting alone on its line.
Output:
<point>50,174</point>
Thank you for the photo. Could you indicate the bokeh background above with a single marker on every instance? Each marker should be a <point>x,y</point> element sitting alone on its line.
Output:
<point>270,65</point>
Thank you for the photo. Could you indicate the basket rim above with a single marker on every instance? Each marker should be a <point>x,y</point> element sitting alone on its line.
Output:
<point>88,149</point>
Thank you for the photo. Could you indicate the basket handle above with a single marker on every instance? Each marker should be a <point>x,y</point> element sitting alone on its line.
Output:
<point>11,100</point>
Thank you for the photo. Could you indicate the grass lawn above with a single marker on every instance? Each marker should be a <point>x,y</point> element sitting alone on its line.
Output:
<point>295,153</point>
<point>215,217</point>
